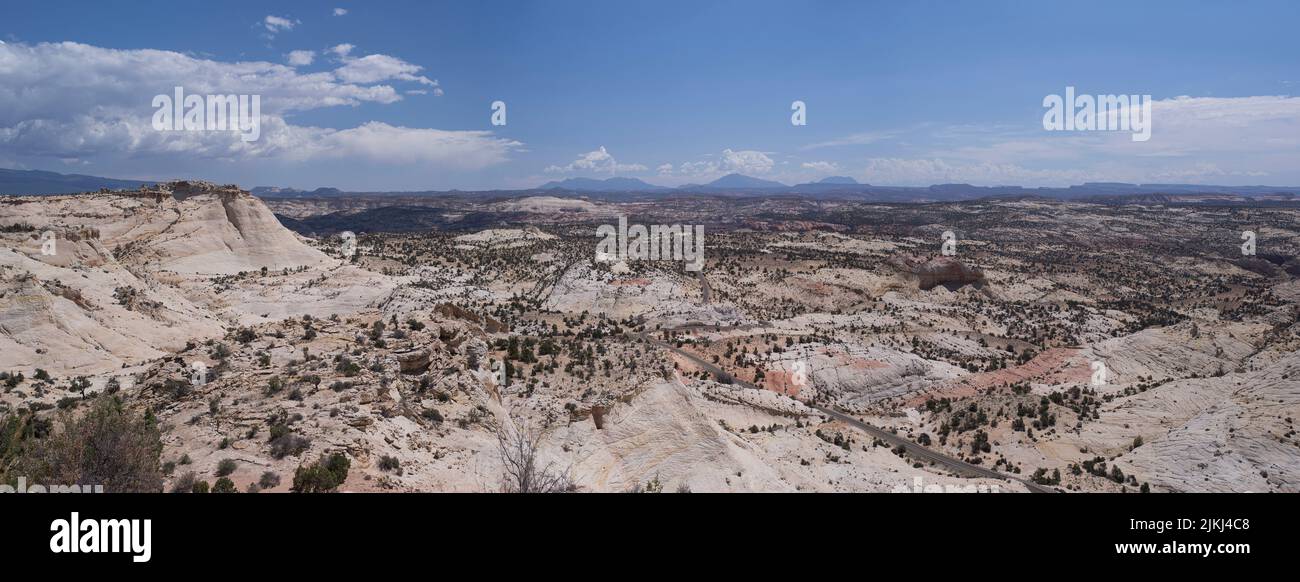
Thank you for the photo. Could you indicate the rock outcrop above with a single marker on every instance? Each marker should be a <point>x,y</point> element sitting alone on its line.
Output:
<point>945,271</point>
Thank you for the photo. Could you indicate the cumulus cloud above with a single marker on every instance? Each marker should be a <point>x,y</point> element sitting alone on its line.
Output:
<point>340,12</point>
<point>599,161</point>
<point>71,101</point>
<point>749,162</point>
<point>342,50</point>
<point>277,24</point>
<point>376,68</point>
<point>301,58</point>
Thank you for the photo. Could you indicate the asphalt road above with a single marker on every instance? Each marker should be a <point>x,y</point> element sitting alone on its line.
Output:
<point>918,452</point>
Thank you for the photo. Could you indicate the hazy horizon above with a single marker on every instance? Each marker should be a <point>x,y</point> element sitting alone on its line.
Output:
<point>401,98</point>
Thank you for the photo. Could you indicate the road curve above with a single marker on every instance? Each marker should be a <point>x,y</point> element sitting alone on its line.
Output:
<point>956,466</point>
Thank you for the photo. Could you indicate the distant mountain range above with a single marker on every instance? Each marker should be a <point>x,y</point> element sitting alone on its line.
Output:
<point>835,187</point>
<point>735,182</point>
<point>274,192</point>
<point>606,185</point>
<point>39,182</point>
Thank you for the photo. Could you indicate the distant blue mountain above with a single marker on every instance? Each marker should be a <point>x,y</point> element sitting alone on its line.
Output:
<point>836,187</point>
<point>606,185</point>
<point>40,182</point>
<point>741,182</point>
<point>276,192</point>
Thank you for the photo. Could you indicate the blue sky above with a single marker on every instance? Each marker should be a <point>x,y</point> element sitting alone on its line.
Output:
<point>397,94</point>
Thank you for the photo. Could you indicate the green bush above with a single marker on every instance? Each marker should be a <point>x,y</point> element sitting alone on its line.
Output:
<point>284,443</point>
<point>391,464</point>
<point>323,476</point>
<point>226,467</point>
<point>107,446</point>
<point>269,480</point>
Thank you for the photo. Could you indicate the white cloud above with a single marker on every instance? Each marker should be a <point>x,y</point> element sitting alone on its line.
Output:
<point>375,68</point>
<point>864,138</point>
<point>820,167</point>
<point>746,162</point>
<point>749,162</point>
<point>925,172</point>
<point>1228,140</point>
<point>599,161</point>
<point>342,50</point>
<point>71,101</point>
<point>379,142</point>
<point>340,12</point>
<point>277,24</point>
<point>301,58</point>
<point>664,169</point>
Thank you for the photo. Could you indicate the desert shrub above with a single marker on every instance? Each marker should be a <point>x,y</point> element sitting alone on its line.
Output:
<point>323,476</point>
<point>11,380</point>
<point>347,367</point>
<point>221,351</point>
<point>18,433</point>
<point>226,467</point>
<point>107,446</point>
<point>285,443</point>
<point>176,388</point>
<point>387,463</point>
<point>224,485</point>
<point>185,483</point>
<point>269,480</point>
<point>200,487</point>
<point>523,470</point>
<point>274,386</point>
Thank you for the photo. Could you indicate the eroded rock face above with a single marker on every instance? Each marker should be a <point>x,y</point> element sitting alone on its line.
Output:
<point>937,271</point>
<point>475,354</point>
<point>413,361</point>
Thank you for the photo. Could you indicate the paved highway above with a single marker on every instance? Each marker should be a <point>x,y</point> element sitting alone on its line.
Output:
<point>918,452</point>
